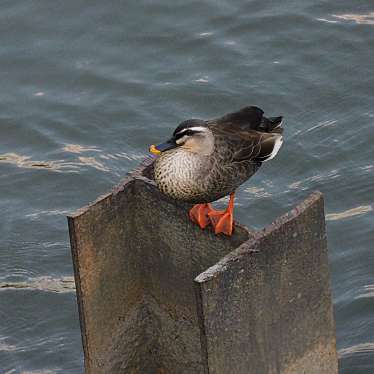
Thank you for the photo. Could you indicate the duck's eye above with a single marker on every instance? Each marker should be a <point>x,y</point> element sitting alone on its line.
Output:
<point>184,133</point>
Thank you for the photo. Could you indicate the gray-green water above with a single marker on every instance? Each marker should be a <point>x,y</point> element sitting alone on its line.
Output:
<point>86,86</point>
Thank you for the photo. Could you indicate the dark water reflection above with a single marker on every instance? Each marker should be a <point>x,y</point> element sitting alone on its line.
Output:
<point>85,87</point>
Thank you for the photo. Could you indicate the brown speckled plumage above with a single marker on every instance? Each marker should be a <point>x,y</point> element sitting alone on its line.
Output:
<point>242,141</point>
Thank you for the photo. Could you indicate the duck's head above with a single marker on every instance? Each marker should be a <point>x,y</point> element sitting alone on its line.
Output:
<point>192,136</point>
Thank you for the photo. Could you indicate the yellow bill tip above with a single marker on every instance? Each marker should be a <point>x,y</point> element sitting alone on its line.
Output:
<point>154,150</point>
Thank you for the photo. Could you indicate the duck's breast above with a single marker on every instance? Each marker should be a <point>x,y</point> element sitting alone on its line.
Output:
<point>182,175</point>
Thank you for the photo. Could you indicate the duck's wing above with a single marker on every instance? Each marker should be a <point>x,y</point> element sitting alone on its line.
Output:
<point>247,135</point>
<point>249,145</point>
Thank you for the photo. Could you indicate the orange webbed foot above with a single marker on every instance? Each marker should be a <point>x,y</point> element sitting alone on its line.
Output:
<point>199,215</point>
<point>223,224</point>
<point>215,216</point>
<point>223,221</point>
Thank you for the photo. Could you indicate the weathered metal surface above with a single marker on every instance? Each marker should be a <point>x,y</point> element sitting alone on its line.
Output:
<point>135,257</point>
<point>266,307</point>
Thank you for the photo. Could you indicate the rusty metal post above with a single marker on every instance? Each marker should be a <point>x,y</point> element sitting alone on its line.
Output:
<point>157,295</point>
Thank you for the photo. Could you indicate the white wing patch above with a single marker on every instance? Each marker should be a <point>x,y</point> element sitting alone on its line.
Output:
<point>279,125</point>
<point>277,145</point>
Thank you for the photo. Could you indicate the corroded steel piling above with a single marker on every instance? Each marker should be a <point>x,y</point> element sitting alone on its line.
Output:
<point>158,295</point>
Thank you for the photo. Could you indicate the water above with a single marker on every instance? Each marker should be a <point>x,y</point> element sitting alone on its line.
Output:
<point>87,86</point>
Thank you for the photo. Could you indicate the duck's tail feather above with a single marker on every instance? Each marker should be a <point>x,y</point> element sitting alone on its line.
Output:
<point>271,124</point>
<point>269,147</point>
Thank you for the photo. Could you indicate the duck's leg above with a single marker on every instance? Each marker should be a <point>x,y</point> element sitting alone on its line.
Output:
<point>223,220</point>
<point>199,214</point>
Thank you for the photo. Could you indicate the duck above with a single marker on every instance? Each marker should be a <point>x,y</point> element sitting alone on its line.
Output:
<point>206,160</point>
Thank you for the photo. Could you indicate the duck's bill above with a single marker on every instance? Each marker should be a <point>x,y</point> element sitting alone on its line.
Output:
<point>157,149</point>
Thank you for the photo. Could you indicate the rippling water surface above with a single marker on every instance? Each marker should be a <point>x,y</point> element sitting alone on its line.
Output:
<point>87,86</point>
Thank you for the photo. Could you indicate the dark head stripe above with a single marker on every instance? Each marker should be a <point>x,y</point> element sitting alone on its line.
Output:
<point>189,132</point>
<point>188,124</point>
